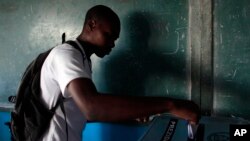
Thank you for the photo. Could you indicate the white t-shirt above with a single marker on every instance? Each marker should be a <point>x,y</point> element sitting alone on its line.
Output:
<point>63,64</point>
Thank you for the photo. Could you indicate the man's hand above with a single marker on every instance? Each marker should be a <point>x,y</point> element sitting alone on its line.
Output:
<point>187,110</point>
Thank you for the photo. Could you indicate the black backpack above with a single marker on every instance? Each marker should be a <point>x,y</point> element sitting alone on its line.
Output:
<point>30,118</point>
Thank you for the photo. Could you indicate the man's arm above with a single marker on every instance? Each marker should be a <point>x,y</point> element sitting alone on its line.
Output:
<point>105,107</point>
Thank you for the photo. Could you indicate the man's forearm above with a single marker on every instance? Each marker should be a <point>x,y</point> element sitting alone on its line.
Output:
<point>105,107</point>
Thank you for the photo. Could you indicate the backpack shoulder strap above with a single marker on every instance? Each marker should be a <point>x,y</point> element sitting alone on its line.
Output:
<point>75,45</point>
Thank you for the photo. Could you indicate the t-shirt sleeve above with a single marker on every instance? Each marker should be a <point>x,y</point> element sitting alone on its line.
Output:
<point>67,66</point>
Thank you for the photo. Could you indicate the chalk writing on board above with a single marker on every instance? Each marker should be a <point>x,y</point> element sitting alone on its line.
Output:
<point>180,37</point>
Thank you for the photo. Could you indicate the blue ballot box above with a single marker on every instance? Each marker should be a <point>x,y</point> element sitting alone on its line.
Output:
<point>161,128</point>
<point>170,128</point>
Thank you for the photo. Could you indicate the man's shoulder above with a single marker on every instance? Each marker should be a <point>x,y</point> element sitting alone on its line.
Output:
<point>64,50</point>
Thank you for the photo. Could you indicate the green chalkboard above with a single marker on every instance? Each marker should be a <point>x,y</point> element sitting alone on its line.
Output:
<point>232,57</point>
<point>150,58</point>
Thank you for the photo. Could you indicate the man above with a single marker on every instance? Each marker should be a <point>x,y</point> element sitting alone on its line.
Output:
<point>66,71</point>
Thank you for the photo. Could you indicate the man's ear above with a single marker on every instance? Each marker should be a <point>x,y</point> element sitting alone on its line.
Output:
<point>91,24</point>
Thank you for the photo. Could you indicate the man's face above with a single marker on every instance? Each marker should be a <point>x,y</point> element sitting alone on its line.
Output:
<point>103,37</point>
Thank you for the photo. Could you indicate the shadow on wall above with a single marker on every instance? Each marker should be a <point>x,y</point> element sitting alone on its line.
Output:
<point>139,68</point>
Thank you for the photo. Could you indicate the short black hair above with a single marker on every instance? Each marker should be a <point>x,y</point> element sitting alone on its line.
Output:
<point>101,12</point>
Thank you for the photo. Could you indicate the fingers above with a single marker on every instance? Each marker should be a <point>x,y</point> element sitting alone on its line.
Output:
<point>187,110</point>
<point>142,120</point>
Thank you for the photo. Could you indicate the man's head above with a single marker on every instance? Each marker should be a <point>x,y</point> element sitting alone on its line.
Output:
<point>101,29</point>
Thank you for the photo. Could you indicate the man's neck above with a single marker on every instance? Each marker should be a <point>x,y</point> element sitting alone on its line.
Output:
<point>86,47</point>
